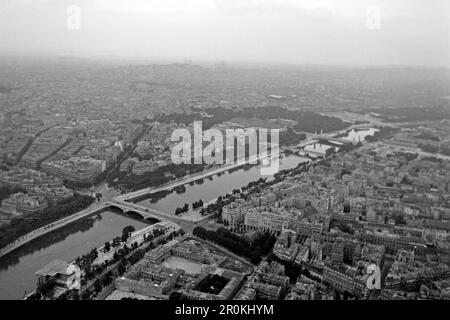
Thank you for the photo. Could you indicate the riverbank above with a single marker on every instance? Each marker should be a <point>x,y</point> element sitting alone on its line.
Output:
<point>210,189</point>
<point>53,225</point>
<point>67,243</point>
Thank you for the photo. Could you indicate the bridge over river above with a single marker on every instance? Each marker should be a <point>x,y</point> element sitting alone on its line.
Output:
<point>124,204</point>
<point>126,208</point>
<point>150,213</point>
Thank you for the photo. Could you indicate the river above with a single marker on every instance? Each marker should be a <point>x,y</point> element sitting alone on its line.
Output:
<point>214,186</point>
<point>17,268</point>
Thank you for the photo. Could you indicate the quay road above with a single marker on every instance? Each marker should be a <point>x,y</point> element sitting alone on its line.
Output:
<point>94,208</point>
<point>187,225</point>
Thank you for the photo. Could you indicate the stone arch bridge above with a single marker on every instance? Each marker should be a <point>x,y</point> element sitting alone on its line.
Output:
<point>132,208</point>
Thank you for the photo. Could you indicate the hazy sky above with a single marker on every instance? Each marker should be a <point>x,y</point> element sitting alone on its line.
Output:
<point>415,32</point>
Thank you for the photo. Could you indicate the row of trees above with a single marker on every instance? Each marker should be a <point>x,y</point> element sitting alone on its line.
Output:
<point>99,274</point>
<point>155,234</point>
<point>158,177</point>
<point>85,262</point>
<point>244,192</point>
<point>197,204</point>
<point>123,258</point>
<point>181,210</point>
<point>216,207</point>
<point>126,233</point>
<point>22,225</point>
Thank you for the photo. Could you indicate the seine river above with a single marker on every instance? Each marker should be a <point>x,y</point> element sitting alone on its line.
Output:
<point>214,186</point>
<point>17,269</point>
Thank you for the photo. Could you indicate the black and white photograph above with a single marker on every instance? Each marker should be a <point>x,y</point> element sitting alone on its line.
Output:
<point>225,157</point>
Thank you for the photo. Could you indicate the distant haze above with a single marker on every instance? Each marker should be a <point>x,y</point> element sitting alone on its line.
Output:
<point>409,32</point>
